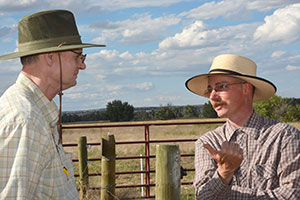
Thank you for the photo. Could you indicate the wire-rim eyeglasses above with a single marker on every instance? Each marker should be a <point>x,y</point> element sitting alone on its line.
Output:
<point>82,56</point>
<point>220,87</point>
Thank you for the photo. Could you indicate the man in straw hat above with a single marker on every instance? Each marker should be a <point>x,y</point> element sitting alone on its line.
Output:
<point>250,156</point>
<point>33,164</point>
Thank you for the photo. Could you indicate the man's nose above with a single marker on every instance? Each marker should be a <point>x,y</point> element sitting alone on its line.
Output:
<point>214,95</point>
<point>81,65</point>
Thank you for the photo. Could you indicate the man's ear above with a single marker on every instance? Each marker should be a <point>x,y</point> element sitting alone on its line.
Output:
<point>49,58</point>
<point>247,88</point>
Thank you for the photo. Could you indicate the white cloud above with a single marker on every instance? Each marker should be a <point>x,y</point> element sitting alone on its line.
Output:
<point>130,69</point>
<point>197,35</point>
<point>283,26</point>
<point>175,55</point>
<point>193,35</point>
<point>121,4</point>
<point>114,87</point>
<point>90,6</point>
<point>137,30</point>
<point>12,65</point>
<point>7,30</point>
<point>100,77</point>
<point>145,86</point>
<point>74,96</point>
<point>104,54</point>
<point>7,6</point>
<point>278,54</point>
<point>167,99</point>
<point>115,64</point>
<point>126,55</point>
<point>154,71</point>
<point>292,68</point>
<point>148,100</point>
<point>235,9</point>
<point>269,5</point>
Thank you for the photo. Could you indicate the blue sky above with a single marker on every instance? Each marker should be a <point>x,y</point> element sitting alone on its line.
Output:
<point>154,46</point>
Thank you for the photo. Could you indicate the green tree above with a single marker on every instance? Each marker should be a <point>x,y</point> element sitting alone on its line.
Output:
<point>142,115</point>
<point>190,112</point>
<point>273,107</point>
<point>70,118</point>
<point>94,116</point>
<point>276,107</point>
<point>165,113</point>
<point>208,111</point>
<point>117,111</point>
<point>177,112</point>
<point>292,114</point>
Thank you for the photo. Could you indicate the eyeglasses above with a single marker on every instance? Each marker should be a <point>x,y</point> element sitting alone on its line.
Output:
<point>220,87</point>
<point>82,56</point>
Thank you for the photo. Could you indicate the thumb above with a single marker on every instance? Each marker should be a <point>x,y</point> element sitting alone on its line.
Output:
<point>210,149</point>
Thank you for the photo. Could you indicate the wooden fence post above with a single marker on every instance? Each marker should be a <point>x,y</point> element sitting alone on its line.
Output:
<point>83,167</point>
<point>108,162</point>
<point>167,175</point>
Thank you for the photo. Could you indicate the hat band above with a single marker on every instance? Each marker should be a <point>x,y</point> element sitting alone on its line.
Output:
<point>48,43</point>
<point>227,71</point>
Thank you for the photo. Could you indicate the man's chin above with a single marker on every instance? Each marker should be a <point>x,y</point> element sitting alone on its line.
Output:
<point>73,83</point>
<point>69,86</point>
<point>221,114</point>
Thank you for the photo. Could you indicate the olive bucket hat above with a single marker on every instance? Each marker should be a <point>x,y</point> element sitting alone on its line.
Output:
<point>234,66</point>
<point>47,31</point>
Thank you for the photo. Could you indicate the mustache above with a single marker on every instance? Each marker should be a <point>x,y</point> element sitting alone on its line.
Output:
<point>216,104</point>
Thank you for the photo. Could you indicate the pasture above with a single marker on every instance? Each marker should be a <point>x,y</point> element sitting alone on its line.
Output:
<point>137,133</point>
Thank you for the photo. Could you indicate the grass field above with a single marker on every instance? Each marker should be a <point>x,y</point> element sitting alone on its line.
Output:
<point>137,133</point>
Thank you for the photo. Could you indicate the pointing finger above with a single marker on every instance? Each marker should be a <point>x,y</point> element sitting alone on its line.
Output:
<point>210,149</point>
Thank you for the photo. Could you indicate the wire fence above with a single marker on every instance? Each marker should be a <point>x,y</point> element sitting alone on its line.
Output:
<point>146,143</point>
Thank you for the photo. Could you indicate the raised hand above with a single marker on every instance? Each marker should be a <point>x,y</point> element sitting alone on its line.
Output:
<point>229,158</point>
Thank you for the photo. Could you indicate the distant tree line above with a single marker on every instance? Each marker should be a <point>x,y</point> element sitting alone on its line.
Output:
<point>85,117</point>
<point>284,109</point>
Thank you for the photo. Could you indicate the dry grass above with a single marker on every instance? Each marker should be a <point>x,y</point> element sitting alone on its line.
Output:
<point>137,133</point>
<point>296,124</point>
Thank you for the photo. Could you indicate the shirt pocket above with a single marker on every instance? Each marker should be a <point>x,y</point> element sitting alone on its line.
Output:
<point>68,163</point>
<point>264,175</point>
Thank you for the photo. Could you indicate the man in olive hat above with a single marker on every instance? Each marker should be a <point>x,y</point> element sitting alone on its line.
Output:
<point>33,164</point>
<point>250,156</point>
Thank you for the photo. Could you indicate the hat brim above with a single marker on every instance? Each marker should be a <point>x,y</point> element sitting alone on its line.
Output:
<point>264,89</point>
<point>50,49</point>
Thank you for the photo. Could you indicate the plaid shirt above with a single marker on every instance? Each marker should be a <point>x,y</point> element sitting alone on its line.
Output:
<point>271,165</point>
<point>30,159</point>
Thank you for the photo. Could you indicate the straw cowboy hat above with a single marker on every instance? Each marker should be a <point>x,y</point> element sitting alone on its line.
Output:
<point>47,31</point>
<point>235,66</point>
